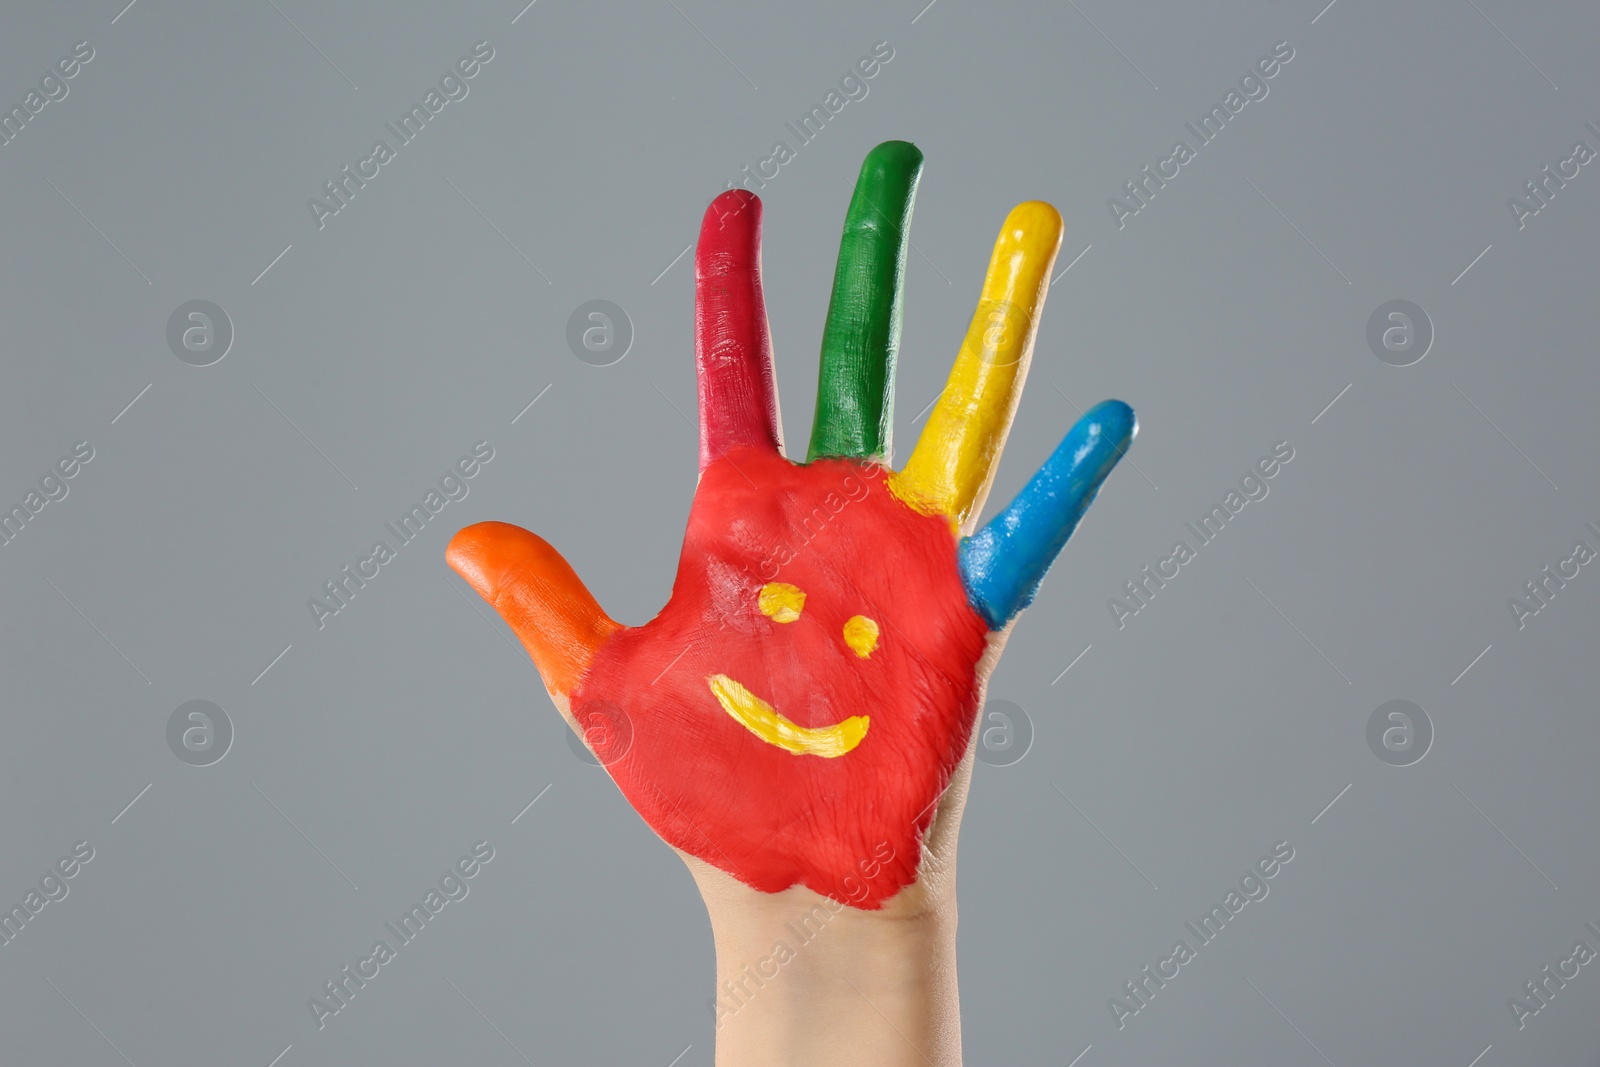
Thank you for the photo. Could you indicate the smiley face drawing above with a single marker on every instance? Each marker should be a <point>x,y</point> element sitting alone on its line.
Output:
<point>796,711</point>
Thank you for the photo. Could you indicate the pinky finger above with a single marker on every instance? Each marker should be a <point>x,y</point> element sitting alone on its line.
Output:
<point>1004,562</point>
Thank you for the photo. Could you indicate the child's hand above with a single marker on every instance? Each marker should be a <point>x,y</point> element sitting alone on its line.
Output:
<point>796,712</point>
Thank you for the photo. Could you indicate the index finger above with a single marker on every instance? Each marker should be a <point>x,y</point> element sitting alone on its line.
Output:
<point>733,350</point>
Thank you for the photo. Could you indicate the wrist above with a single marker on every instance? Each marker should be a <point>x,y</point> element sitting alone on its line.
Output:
<point>803,979</point>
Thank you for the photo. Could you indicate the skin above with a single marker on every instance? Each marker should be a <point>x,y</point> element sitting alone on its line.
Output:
<point>797,722</point>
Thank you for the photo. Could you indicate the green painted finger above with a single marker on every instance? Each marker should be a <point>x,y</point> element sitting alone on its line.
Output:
<point>855,388</point>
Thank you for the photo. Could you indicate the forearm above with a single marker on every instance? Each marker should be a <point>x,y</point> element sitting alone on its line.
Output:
<point>804,980</point>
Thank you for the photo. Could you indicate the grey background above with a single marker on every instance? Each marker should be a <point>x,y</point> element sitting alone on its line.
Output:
<point>424,318</point>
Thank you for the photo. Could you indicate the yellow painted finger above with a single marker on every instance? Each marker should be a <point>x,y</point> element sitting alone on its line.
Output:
<point>763,720</point>
<point>954,462</point>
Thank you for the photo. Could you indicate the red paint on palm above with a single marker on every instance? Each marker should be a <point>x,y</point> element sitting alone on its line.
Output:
<point>733,350</point>
<point>850,826</point>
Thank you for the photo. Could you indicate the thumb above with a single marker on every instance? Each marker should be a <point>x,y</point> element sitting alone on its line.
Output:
<point>539,596</point>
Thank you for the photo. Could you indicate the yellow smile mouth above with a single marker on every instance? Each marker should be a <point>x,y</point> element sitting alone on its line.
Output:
<point>763,720</point>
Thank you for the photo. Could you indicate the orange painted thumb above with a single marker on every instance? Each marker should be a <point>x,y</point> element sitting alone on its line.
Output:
<point>538,594</point>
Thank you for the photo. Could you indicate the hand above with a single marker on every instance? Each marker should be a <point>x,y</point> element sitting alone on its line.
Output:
<point>799,707</point>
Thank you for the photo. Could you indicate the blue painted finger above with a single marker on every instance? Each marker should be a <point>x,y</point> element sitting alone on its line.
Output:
<point>1003,563</point>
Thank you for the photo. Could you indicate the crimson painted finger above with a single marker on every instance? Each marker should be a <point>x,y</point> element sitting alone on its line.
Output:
<point>1003,563</point>
<point>733,350</point>
<point>861,338</point>
<point>538,594</point>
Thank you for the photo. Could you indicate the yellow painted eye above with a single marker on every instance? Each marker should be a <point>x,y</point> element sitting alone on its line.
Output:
<point>781,602</point>
<point>861,634</point>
